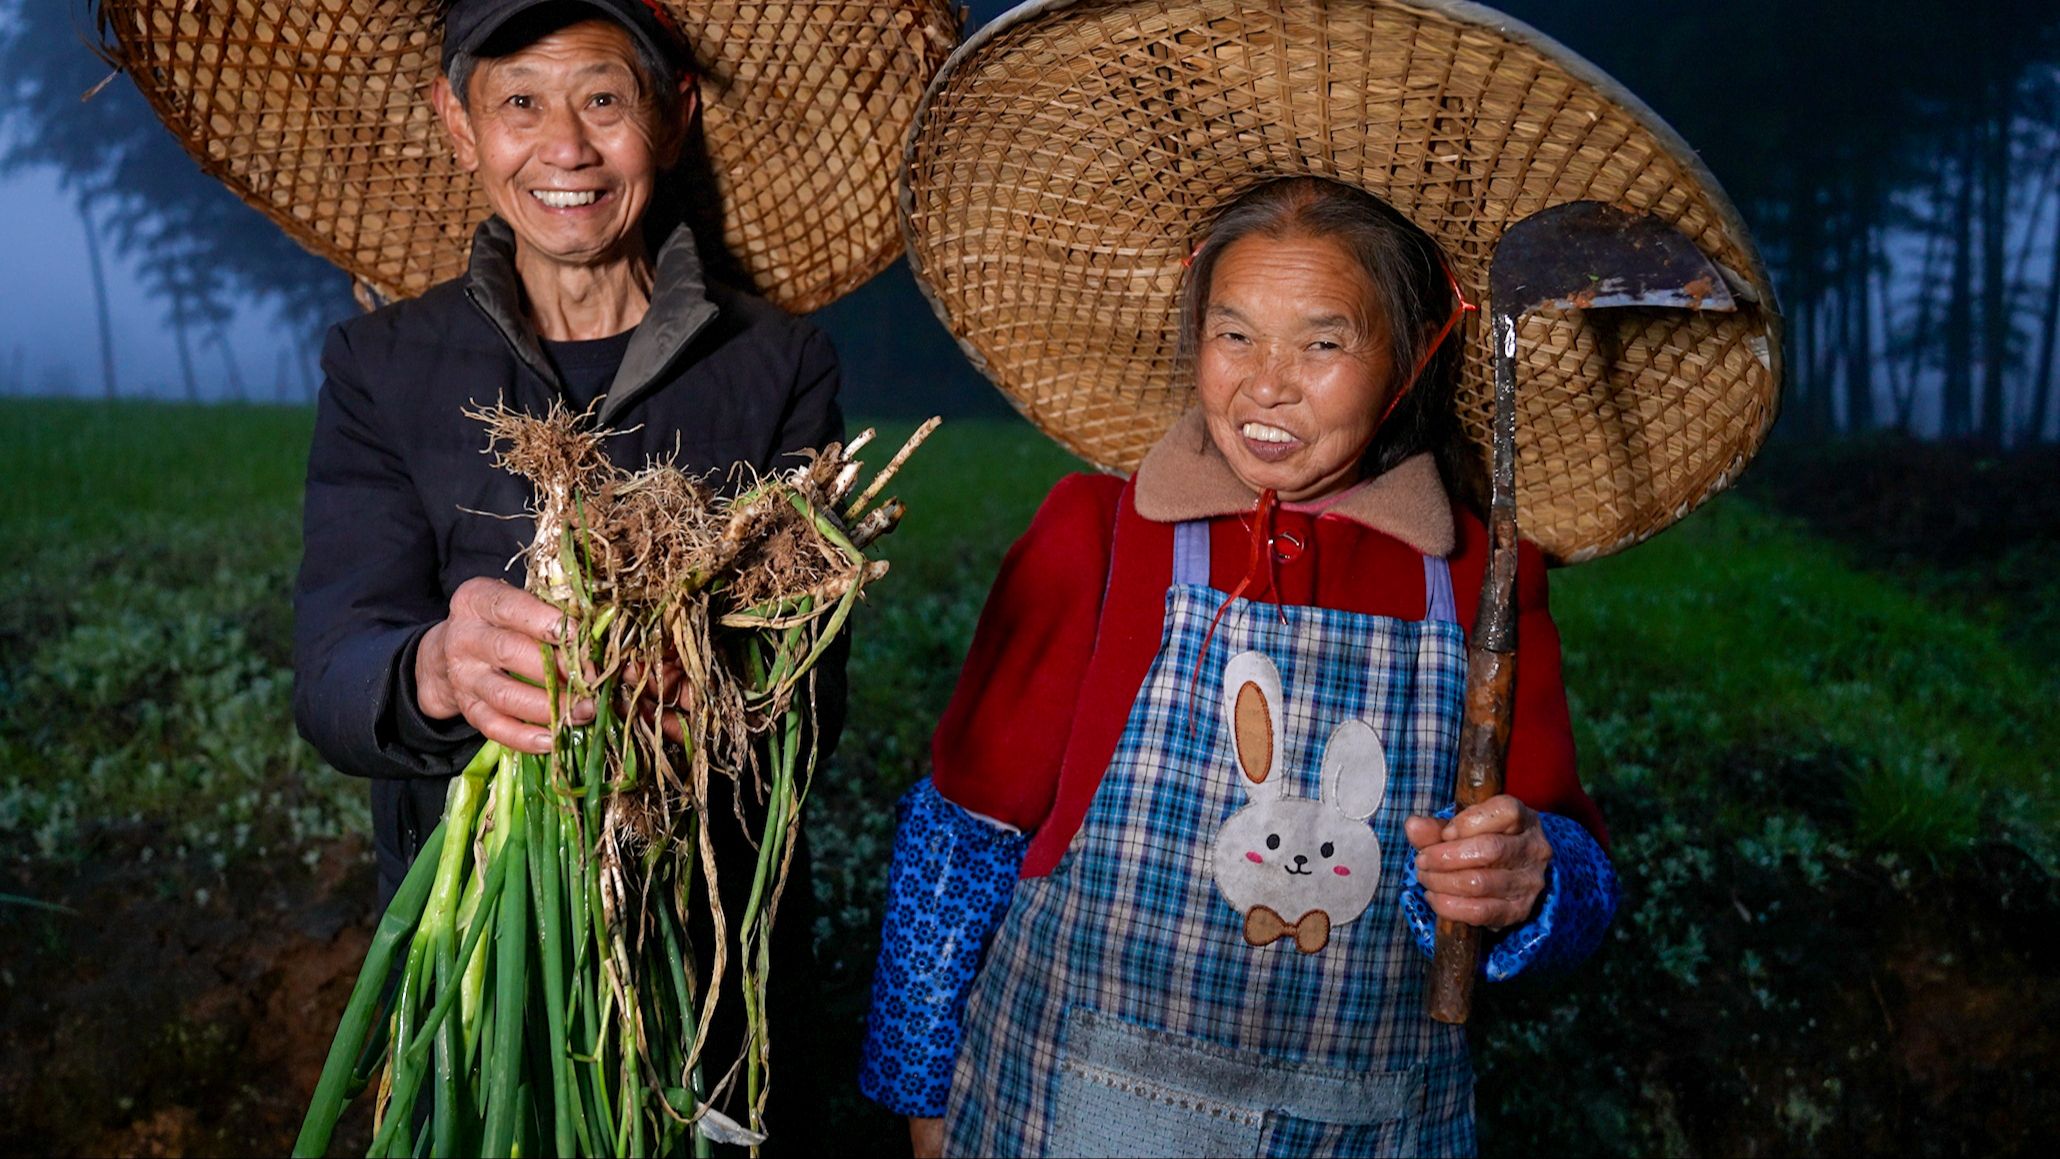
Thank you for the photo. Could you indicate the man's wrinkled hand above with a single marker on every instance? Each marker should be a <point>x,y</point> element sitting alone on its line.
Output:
<point>1486,866</point>
<point>658,696</point>
<point>485,662</point>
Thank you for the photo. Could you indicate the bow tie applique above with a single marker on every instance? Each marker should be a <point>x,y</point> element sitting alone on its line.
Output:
<point>1263,927</point>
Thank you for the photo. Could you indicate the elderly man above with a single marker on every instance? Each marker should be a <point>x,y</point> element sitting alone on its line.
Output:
<point>413,637</point>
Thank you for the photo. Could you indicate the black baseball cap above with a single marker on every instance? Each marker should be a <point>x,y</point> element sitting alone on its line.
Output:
<point>469,24</point>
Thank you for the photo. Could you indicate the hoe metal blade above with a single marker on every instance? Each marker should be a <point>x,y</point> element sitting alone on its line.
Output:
<point>1583,255</point>
<point>1586,255</point>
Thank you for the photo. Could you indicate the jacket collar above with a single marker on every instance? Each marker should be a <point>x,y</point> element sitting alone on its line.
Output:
<point>680,309</point>
<point>1185,477</point>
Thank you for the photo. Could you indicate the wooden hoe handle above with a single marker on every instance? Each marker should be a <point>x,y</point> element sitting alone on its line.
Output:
<point>1483,749</point>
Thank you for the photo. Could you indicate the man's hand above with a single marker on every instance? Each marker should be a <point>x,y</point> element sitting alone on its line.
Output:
<point>658,697</point>
<point>484,662</point>
<point>1486,866</point>
<point>926,1138</point>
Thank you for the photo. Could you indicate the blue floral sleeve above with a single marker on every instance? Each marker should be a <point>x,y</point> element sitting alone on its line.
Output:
<point>948,886</point>
<point>1581,895</point>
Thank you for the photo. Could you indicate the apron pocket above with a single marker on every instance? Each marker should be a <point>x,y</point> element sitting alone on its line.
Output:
<point>1286,1135</point>
<point>1125,1089</point>
<point>1107,1107</point>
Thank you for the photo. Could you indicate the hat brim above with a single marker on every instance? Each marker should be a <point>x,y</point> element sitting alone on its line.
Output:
<point>317,113</point>
<point>1068,156</point>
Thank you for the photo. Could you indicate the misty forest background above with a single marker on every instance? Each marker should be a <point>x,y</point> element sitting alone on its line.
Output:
<point>1900,167</point>
<point>1818,714</point>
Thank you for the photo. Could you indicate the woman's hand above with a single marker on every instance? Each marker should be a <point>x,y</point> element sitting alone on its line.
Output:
<point>1486,866</point>
<point>484,662</point>
<point>926,1138</point>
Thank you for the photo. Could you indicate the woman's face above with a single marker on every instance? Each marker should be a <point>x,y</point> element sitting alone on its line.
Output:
<point>1294,371</point>
<point>565,141</point>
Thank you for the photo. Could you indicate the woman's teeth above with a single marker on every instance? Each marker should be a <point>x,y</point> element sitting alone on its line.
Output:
<point>1265,434</point>
<point>565,200</point>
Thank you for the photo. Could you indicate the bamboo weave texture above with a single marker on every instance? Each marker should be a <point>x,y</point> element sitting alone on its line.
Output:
<point>1071,155</point>
<point>317,113</point>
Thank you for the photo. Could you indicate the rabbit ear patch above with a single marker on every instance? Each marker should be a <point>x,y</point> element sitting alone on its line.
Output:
<point>1355,770</point>
<point>1252,703</point>
<point>1253,728</point>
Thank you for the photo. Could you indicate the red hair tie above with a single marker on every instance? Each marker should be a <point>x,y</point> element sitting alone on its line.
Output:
<point>1459,311</point>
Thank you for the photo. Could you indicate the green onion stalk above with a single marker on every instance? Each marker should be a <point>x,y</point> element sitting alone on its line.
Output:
<point>533,988</point>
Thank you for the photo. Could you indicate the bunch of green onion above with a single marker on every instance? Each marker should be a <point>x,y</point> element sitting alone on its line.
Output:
<point>547,998</point>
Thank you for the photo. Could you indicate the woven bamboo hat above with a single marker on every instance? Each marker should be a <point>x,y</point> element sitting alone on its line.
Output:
<point>1070,155</point>
<point>317,113</point>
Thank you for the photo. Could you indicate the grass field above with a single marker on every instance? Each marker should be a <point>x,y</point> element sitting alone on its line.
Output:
<point>1799,759</point>
<point>160,542</point>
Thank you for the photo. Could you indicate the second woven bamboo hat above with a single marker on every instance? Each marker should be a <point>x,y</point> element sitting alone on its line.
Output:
<point>1069,156</point>
<point>317,113</point>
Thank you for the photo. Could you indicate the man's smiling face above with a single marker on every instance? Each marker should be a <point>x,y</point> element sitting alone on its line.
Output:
<point>566,139</point>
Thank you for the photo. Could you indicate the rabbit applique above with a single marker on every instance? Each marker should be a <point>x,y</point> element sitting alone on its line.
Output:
<point>1296,867</point>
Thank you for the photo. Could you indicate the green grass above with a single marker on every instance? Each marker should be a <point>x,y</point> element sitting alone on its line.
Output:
<point>147,638</point>
<point>95,469</point>
<point>1736,637</point>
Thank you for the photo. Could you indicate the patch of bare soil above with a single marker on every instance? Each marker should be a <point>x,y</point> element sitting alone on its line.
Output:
<point>1834,1007</point>
<point>180,1010</point>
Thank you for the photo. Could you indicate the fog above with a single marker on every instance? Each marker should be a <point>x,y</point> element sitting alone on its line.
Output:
<point>50,341</point>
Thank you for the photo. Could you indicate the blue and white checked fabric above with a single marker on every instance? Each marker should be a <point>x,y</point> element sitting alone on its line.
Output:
<point>1130,929</point>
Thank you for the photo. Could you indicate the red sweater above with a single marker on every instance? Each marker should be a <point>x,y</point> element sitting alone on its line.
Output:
<point>1073,623</point>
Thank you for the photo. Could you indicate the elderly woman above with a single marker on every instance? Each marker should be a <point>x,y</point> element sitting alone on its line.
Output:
<point>1171,884</point>
<point>1115,811</point>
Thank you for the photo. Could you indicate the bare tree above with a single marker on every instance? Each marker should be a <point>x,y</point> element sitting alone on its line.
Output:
<point>2042,385</point>
<point>98,269</point>
<point>1994,138</point>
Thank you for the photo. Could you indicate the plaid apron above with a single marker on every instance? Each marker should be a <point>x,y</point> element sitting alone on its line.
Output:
<point>1124,1007</point>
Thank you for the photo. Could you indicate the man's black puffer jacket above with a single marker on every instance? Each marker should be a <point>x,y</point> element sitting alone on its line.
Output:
<point>402,499</point>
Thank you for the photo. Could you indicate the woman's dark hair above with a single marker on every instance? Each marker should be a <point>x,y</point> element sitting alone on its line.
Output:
<point>1402,263</point>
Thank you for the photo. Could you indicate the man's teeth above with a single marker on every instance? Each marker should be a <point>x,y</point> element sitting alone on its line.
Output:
<point>564,200</point>
<point>1266,434</point>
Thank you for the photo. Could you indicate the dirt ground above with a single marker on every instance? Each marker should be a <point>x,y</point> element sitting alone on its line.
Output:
<point>1884,1018</point>
<point>180,1010</point>
<point>184,1011</point>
